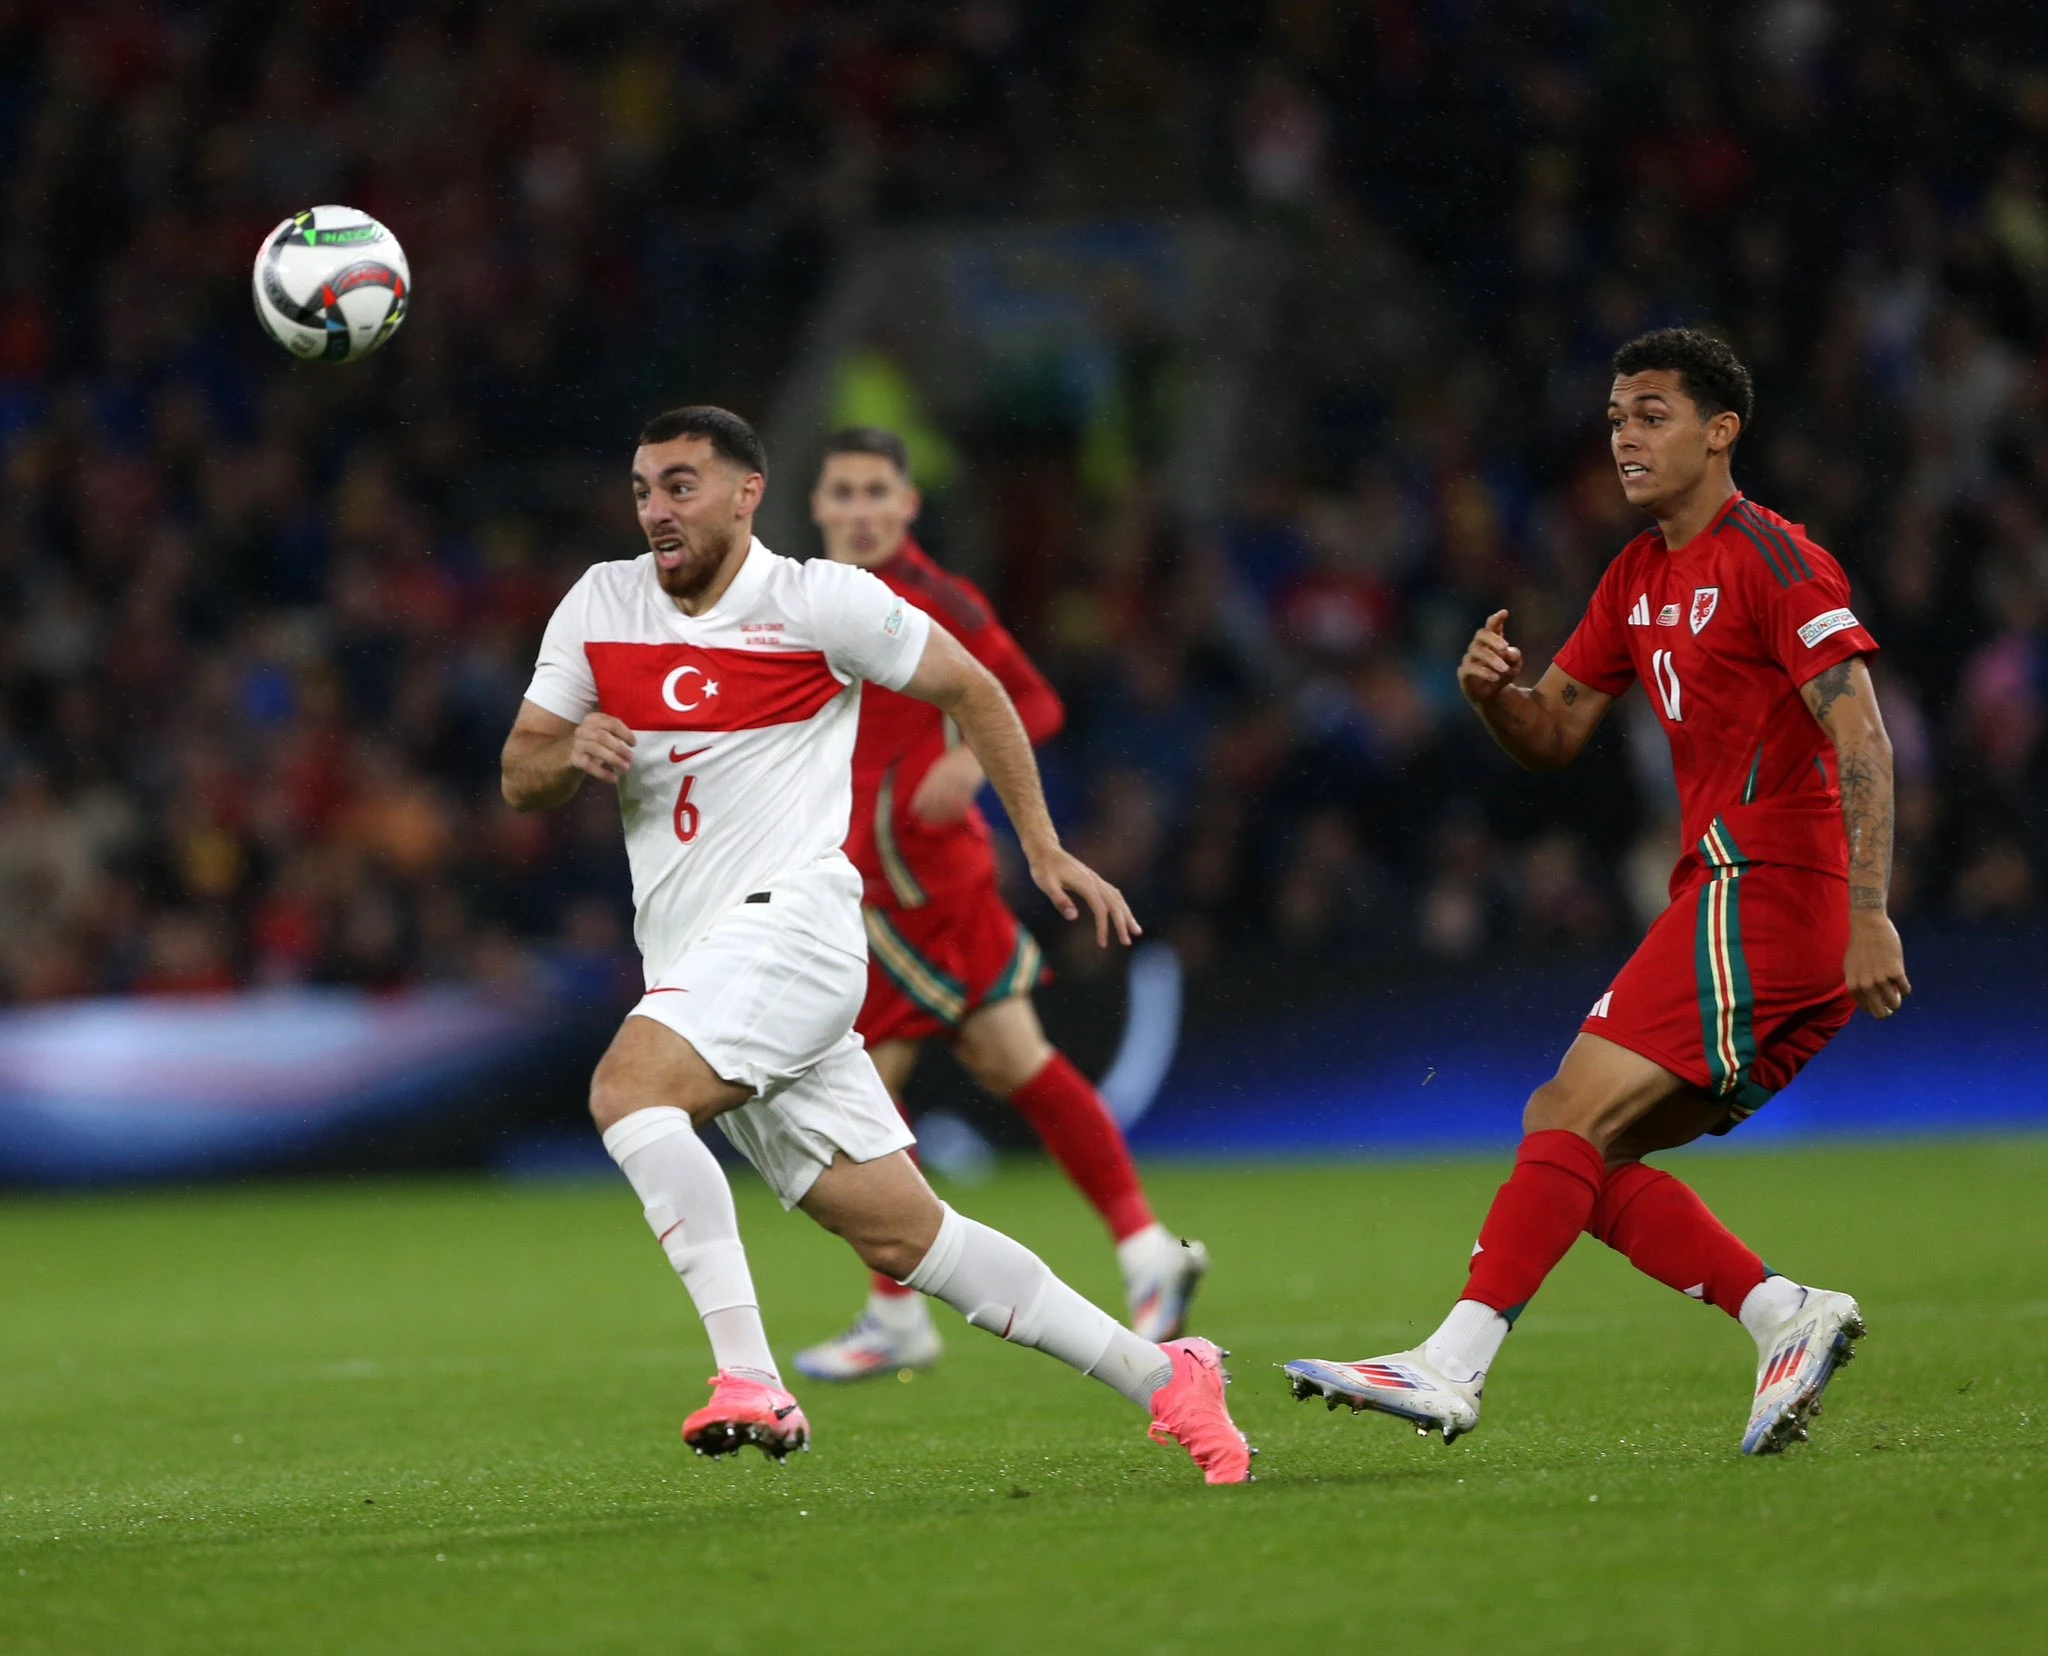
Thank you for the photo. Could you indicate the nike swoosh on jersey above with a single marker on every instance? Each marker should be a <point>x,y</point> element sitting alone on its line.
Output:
<point>675,758</point>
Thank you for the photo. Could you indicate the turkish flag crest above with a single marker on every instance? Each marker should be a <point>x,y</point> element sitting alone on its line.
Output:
<point>1704,600</point>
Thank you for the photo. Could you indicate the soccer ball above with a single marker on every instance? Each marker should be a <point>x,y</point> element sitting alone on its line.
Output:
<point>331,284</point>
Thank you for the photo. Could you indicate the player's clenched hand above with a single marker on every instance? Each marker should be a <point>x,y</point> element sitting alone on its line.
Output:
<point>1491,662</point>
<point>1062,873</point>
<point>602,747</point>
<point>948,787</point>
<point>1875,967</point>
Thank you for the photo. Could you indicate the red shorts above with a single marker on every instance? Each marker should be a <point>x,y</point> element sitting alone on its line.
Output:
<point>928,967</point>
<point>1738,983</point>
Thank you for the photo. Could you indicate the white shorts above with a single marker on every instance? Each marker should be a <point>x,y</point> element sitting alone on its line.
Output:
<point>769,1005</point>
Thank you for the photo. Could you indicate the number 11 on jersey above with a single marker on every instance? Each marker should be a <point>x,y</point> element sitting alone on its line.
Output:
<point>1666,670</point>
<point>688,818</point>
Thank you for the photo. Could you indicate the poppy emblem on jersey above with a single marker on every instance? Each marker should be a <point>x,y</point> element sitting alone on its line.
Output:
<point>1704,600</point>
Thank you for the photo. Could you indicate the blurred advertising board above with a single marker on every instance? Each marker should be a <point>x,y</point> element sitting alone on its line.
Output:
<point>193,1086</point>
<point>1446,1060</point>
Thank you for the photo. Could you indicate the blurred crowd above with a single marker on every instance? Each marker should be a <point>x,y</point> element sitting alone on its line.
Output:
<point>1856,196</point>
<point>263,625</point>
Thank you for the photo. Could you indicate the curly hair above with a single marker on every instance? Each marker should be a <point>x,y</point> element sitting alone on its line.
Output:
<point>1712,374</point>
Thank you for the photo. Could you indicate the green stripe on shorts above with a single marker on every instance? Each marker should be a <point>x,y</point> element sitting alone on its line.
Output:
<point>1727,996</point>
<point>944,997</point>
<point>1020,977</point>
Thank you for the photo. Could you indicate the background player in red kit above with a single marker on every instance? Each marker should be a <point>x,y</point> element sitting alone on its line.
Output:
<point>946,956</point>
<point>1740,629</point>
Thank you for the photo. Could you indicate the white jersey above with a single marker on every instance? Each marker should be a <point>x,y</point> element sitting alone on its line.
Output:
<point>744,719</point>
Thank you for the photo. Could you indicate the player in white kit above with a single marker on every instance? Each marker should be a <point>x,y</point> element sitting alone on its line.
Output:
<point>717,686</point>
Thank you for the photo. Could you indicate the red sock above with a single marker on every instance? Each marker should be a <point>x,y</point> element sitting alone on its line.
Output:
<point>1535,1218</point>
<point>1667,1232</point>
<point>1069,1115</point>
<point>889,1287</point>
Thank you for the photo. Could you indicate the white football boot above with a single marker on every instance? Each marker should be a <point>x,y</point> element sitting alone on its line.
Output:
<point>1407,1384</point>
<point>1161,1273</point>
<point>1796,1360</point>
<point>886,1338</point>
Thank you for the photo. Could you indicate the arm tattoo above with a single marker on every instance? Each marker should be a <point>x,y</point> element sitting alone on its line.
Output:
<point>1571,692</point>
<point>1867,814</point>
<point>1827,688</point>
<point>1866,782</point>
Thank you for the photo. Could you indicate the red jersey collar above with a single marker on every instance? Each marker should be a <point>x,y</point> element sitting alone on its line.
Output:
<point>1720,518</point>
<point>907,549</point>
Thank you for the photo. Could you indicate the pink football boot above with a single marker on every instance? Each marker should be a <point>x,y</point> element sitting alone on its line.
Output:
<point>745,1408</point>
<point>1190,1410</point>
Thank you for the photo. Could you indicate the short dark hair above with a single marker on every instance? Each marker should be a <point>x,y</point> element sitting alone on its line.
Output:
<point>869,440</point>
<point>1712,374</point>
<point>730,437</point>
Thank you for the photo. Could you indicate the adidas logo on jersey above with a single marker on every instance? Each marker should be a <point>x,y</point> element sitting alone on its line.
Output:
<point>1640,615</point>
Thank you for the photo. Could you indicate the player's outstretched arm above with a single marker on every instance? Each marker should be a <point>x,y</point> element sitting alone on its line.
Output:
<point>1541,729</point>
<point>972,697</point>
<point>1844,702</point>
<point>546,757</point>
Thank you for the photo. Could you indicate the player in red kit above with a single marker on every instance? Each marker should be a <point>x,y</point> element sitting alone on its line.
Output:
<point>1740,629</point>
<point>946,956</point>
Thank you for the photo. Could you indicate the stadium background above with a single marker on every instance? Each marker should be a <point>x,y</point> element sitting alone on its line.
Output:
<point>1251,351</point>
<point>1287,323</point>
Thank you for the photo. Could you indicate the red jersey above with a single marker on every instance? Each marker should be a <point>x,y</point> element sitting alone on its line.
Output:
<point>904,861</point>
<point>1723,632</point>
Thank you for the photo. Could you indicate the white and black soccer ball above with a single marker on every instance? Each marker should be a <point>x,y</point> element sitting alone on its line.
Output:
<point>331,284</point>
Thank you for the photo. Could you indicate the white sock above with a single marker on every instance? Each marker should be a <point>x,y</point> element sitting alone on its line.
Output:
<point>738,1341</point>
<point>688,1204</point>
<point>1147,1253</point>
<point>1004,1287</point>
<point>1465,1347</point>
<point>1767,1305</point>
<point>1135,1367</point>
<point>899,1313</point>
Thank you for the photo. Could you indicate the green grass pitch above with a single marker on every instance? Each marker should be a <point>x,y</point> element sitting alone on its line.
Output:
<point>400,1416</point>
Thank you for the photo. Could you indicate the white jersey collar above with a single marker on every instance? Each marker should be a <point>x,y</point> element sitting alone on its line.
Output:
<point>746,584</point>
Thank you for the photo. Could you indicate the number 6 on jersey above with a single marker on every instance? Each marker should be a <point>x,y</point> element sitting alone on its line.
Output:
<point>688,818</point>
